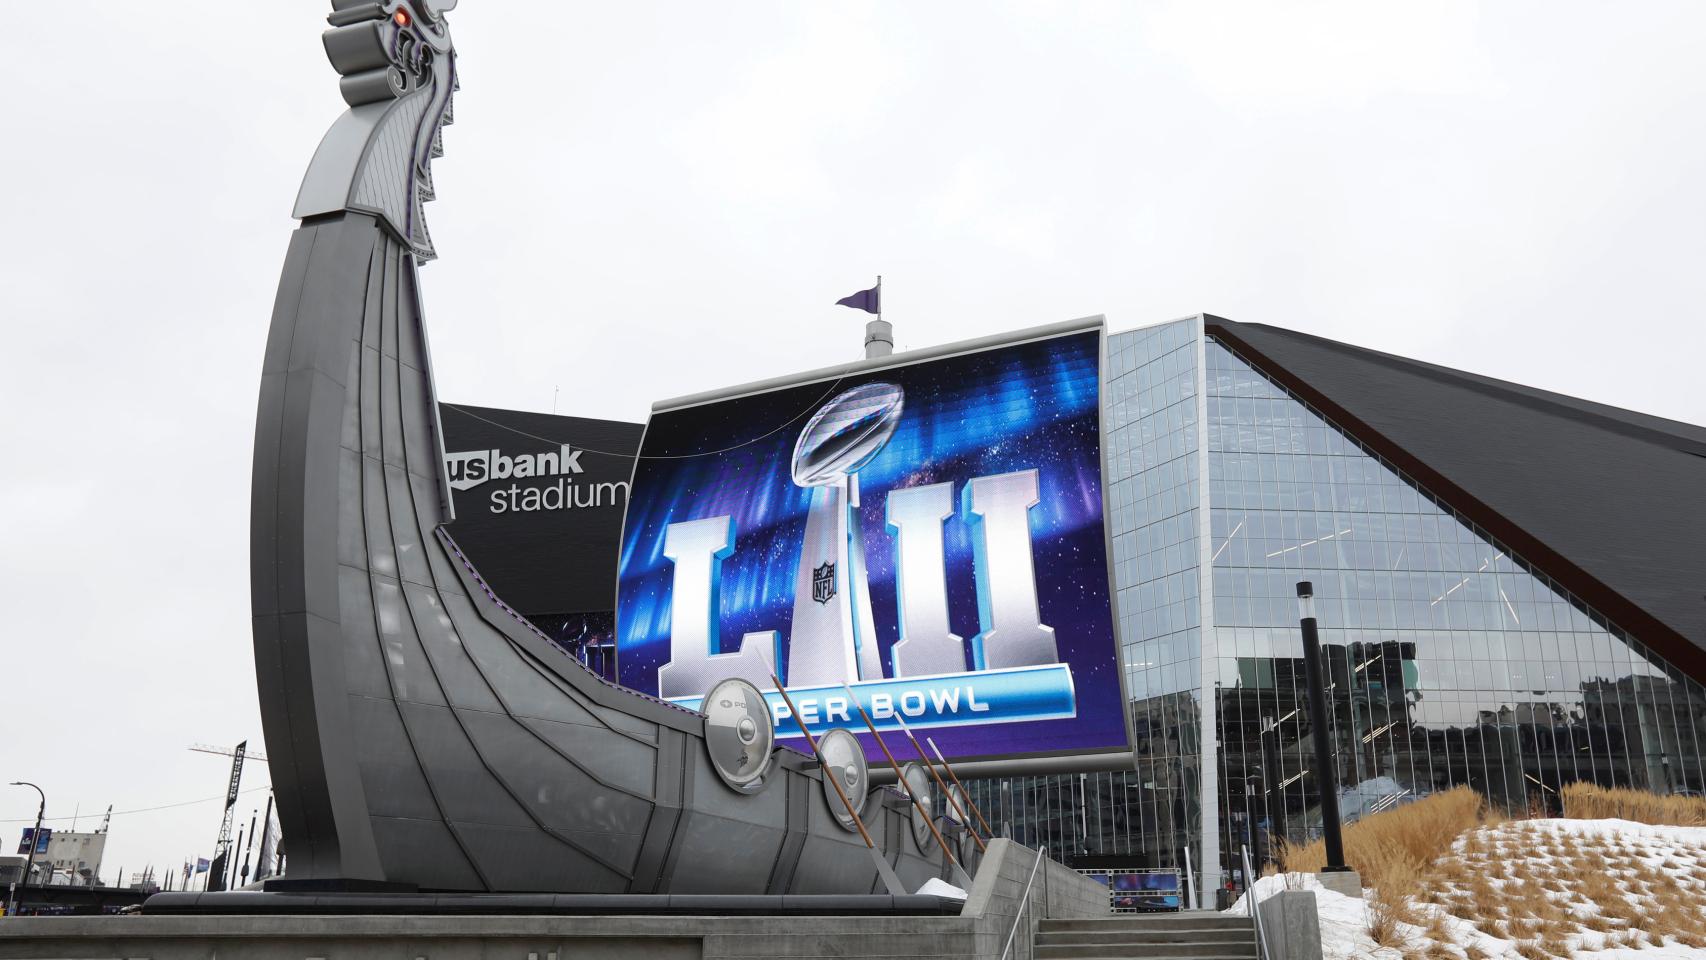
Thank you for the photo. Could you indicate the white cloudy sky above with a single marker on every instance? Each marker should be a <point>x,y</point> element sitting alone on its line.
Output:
<point>641,200</point>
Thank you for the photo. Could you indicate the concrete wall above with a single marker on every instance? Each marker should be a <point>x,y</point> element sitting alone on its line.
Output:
<point>978,932</point>
<point>1292,924</point>
<point>995,897</point>
<point>1071,894</point>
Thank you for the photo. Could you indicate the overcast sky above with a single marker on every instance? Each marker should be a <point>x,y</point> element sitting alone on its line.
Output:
<point>640,200</point>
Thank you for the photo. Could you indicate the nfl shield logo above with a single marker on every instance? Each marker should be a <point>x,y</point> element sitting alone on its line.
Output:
<point>823,583</point>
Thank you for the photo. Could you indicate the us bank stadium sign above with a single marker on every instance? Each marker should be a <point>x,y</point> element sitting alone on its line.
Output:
<point>537,481</point>
<point>925,538</point>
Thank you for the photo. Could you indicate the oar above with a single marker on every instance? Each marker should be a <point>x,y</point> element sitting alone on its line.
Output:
<point>890,881</point>
<point>929,821</point>
<point>938,778</point>
<point>963,791</point>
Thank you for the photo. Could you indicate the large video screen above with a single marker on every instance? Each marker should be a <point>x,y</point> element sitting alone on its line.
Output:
<point>926,538</point>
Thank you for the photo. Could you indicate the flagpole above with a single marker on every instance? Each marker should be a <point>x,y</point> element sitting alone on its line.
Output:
<point>879,336</point>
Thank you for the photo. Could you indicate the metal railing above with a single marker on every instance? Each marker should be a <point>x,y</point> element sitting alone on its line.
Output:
<point>1025,907</point>
<point>1251,904</point>
<point>1386,803</point>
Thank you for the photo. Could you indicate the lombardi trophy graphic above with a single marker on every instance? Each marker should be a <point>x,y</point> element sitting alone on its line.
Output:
<point>833,640</point>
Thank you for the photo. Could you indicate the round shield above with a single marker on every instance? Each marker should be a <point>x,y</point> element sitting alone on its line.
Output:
<point>957,809</point>
<point>738,733</point>
<point>968,852</point>
<point>844,760</point>
<point>918,784</point>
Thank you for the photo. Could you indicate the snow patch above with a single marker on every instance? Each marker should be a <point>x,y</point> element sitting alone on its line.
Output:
<point>934,887</point>
<point>1679,852</point>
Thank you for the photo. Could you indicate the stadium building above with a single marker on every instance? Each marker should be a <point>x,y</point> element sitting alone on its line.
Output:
<point>1509,585</point>
<point>499,652</point>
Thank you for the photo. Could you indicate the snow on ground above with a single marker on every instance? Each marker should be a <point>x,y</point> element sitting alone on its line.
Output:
<point>1694,837</point>
<point>936,887</point>
<point>1513,857</point>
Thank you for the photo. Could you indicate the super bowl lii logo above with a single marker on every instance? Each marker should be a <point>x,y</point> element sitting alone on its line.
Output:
<point>832,638</point>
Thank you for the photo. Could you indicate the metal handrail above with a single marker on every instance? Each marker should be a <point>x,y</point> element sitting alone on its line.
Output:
<point>1250,903</point>
<point>1026,897</point>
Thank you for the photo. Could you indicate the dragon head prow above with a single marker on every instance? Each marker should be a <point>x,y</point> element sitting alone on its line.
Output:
<point>399,74</point>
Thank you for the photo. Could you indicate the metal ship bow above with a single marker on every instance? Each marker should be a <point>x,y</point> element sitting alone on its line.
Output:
<point>422,734</point>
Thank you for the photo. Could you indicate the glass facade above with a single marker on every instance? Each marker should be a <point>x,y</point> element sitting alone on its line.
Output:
<point>1153,814</point>
<point>1449,660</point>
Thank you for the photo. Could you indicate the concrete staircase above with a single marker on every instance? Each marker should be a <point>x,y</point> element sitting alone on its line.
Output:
<point>1196,935</point>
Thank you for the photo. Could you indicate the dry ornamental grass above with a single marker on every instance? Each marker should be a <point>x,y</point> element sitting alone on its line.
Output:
<point>1451,880</point>
<point>1585,801</point>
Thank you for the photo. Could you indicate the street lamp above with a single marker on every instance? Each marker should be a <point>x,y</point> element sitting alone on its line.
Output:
<point>1326,774</point>
<point>30,854</point>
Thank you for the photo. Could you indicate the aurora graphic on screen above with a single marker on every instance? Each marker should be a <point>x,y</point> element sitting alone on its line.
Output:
<point>928,536</point>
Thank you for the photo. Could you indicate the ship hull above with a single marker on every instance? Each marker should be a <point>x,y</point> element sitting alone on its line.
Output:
<point>422,734</point>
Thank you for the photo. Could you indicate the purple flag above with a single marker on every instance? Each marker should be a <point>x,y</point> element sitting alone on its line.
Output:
<point>870,301</point>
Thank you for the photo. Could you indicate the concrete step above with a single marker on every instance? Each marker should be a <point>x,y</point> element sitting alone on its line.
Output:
<point>1148,951</point>
<point>1139,954</point>
<point>1193,935</point>
<point>1190,920</point>
<point>1139,935</point>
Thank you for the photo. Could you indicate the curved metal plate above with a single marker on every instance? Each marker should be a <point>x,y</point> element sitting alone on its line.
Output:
<point>844,759</point>
<point>968,851</point>
<point>738,733</point>
<point>957,808</point>
<point>965,840</point>
<point>918,783</point>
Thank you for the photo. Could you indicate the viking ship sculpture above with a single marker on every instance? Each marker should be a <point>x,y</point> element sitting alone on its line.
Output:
<point>422,734</point>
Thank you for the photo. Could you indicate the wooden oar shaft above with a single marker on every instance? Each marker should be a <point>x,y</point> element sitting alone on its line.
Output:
<point>823,764</point>
<point>929,821</point>
<point>945,791</point>
<point>963,791</point>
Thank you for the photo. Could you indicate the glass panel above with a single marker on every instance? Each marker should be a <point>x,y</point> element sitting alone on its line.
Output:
<point>1451,661</point>
<point>1151,814</point>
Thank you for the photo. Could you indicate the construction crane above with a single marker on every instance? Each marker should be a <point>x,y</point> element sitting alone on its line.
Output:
<point>222,847</point>
<point>107,820</point>
<point>225,751</point>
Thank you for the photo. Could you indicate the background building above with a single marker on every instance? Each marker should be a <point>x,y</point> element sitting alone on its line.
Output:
<point>77,856</point>
<point>1508,584</point>
<point>547,539</point>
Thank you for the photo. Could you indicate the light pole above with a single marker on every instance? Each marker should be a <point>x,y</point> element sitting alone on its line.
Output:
<point>1326,775</point>
<point>246,850</point>
<point>30,855</point>
<point>1273,799</point>
<point>232,885</point>
<point>1250,822</point>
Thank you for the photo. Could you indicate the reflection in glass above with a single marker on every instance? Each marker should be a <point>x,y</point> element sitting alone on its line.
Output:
<point>1450,660</point>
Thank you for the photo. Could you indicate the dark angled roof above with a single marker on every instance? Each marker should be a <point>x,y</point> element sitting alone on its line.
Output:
<point>1609,502</point>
